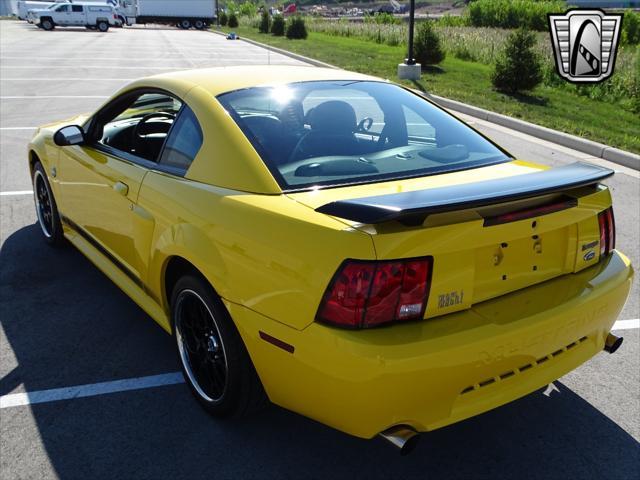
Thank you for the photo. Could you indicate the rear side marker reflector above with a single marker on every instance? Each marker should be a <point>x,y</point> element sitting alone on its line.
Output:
<point>555,206</point>
<point>277,342</point>
<point>365,294</point>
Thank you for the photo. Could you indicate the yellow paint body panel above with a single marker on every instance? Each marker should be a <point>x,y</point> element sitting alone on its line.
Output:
<point>270,257</point>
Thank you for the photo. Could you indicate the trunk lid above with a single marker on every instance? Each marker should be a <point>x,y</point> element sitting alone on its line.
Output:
<point>507,236</point>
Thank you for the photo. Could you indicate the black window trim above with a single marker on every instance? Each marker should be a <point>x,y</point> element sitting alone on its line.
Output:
<point>90,126</point>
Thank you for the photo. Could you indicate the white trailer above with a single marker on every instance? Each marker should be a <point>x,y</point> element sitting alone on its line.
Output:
<point>182,13</point>
<point>23,7</point>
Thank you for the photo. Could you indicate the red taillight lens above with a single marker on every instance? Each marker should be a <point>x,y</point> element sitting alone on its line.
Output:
<point>366,294</point>
<point>607,231</point>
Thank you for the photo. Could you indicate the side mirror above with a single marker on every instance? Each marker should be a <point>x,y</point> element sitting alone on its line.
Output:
<point>71,135</point>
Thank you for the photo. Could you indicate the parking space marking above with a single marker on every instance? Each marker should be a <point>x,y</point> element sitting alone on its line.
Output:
<point>626,324</point>
<point>16,192</point>
<point>20,97</point>
<point>80,79</point>
<point>100,67</point>
<point>90,390</point>
<point>18,128</point>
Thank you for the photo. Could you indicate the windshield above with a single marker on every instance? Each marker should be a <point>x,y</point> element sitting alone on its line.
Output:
<point>329,133</point>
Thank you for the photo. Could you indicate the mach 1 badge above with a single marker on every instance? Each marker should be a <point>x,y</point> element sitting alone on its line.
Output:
<point>585,44</point>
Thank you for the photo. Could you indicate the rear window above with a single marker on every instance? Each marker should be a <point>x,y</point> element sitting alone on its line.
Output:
<point>330,133</point>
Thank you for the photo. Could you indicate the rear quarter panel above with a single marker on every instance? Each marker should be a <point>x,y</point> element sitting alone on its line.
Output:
<point>266,252</point>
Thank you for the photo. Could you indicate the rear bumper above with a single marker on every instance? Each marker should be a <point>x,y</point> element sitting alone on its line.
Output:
<point>436,372</point>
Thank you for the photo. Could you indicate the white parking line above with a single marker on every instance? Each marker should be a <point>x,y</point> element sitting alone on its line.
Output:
<point>89,390</point>
<point>18,128</point>
<point>80,79</point>
<point>101,67</point>
<point>626,324</point>
<point>16,192</point>
<point>15,97</point>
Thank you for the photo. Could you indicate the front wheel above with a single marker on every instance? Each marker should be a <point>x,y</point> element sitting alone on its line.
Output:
<point>214,360</point>
<point>46,208</point>
<point>47,24</point>
<point>103,26</point>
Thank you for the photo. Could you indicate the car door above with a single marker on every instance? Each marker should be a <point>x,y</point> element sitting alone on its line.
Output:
<point>63,15</point>
<point>77,15</point>
<point>100,180</point>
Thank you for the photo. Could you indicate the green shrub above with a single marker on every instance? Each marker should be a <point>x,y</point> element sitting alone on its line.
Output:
<point>519,67</point>
<point>453,21</point>
<point>427,47</point>
<point>248,9</point>
<point>223,19</point>
<point>233,21</point>
<point>296,29</point>
<point>631,28</point>
<point>277,26</point>
<point>513,13</point>
<point>265,22</point>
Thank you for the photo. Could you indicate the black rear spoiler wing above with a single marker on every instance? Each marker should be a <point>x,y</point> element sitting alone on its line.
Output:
<point>413,207</point>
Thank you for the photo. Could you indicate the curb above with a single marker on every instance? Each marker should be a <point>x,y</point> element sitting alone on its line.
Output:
<point>595,149</point>
<point>598,150</point>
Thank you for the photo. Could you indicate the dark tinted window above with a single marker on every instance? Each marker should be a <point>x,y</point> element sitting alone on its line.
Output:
<point>76,8</point>
<point>344,132</point>
<point>185,139</point>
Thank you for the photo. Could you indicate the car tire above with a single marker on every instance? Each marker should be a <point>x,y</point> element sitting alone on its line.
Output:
<point>212,355</point>
<point>102,26</point>
<point>47,24</point>
<point>46,208</point>
<point>199,24</point>
<point>185,24</point>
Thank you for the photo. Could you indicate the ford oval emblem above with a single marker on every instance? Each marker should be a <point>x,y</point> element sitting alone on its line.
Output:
<point>589,256</point>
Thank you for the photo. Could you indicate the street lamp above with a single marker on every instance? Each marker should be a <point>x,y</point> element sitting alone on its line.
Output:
<point>410,70</point>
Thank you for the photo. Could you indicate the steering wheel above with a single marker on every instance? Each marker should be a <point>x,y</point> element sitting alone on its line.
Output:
<point>137,132</point>
<point>365,125</point>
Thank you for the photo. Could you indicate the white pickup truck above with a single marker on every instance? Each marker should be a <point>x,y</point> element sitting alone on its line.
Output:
<point>89,15</point>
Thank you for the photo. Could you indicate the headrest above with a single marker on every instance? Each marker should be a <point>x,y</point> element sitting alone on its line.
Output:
<point>334,117</point>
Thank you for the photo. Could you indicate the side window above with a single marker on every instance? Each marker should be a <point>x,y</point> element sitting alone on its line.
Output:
<point>62,8</point>
<point>139,125</point>
<point>184,141</point>
<point>418,129</point>
<point>76,8</point>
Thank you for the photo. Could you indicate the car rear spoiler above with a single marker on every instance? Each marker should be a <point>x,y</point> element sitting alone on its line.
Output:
<point>413,207</point>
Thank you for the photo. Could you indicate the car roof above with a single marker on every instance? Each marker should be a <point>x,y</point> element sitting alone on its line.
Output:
<point>220,80</point>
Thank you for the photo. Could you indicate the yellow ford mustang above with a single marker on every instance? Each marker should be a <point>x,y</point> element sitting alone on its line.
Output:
<point>335,243</point>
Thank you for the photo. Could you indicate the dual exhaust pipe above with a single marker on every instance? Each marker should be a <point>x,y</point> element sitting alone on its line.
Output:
<point>405,438</point>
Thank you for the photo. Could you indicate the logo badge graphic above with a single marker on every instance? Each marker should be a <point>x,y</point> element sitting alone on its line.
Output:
<point>585,44</point>
<point>589,256</point>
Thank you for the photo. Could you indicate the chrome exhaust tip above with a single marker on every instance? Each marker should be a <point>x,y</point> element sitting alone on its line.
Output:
<point>612,343</point>
<point>403,437</point>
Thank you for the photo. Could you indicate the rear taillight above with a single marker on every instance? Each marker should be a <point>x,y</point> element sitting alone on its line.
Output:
<point>607,231</point>
<point>366,294</point>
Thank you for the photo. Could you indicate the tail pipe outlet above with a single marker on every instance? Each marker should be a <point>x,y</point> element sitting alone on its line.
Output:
<point>612,343</point>
<point>403,437</point>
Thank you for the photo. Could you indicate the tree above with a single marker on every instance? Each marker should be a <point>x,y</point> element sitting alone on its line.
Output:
<point>427,47</point>
<point>277,26</point>
<point>223,19</point>
<point>265,22</point>
<point>296,29</point>
<point>518,67</point>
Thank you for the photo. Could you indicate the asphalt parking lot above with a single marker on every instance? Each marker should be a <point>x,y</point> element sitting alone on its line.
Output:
<point>64,324</point>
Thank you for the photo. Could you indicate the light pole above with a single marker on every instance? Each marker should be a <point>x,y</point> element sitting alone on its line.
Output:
<point>410,70</point>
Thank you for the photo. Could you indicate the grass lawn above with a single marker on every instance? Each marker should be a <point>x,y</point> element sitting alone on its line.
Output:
<point>469,82</point>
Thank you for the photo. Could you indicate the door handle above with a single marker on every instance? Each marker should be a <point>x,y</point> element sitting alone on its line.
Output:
<point>121,188</point>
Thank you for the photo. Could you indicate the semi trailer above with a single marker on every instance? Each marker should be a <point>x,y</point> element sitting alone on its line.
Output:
<point>182,13</point>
